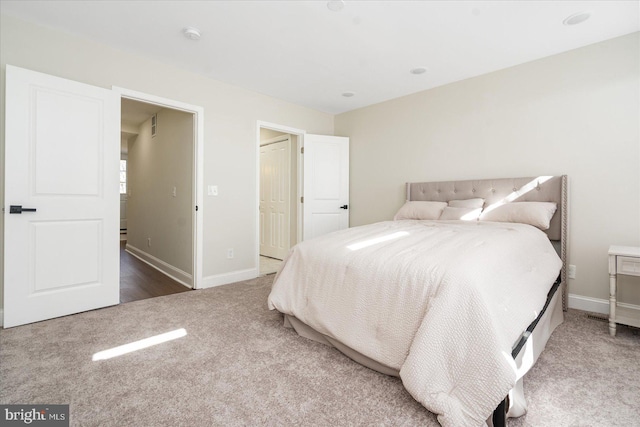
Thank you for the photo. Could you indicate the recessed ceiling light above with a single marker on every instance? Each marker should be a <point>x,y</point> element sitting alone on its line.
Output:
<point>418,70</point>
<point>335,5</point>
<point>191,33</point>
<point>348,94</point>
<point>577,18</point>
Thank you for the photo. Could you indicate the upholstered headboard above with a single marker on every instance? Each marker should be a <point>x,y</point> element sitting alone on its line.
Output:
<point>502,190</point>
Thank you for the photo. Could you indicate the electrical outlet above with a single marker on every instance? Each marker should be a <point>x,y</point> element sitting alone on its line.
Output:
<point>229,253</point>
<point>174,193</point>
<point>212,190</point>
<point>149,241</point>
<point>571,271</point>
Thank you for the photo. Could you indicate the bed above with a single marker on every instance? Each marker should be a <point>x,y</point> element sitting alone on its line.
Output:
<point>457,301</point>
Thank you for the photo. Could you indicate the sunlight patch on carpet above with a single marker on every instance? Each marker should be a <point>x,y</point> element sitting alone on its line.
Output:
<point>139,345</point>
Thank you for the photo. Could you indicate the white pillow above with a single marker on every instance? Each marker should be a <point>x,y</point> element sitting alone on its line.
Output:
<point>420,210</point>
<point>467,203</point>
<point>465,214</point>
<point>537,214</point>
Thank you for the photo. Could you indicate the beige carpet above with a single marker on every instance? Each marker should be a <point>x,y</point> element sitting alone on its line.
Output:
<point>237,366</point>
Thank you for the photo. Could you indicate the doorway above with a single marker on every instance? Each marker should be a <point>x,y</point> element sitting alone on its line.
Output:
<point>279,196</point>
<point>160,203</point>
<point>156,224</point>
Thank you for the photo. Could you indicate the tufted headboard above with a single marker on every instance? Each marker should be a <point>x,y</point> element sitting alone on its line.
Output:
<point>534,189</point>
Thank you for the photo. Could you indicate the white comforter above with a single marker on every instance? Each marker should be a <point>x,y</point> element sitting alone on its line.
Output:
<point>443,302</point>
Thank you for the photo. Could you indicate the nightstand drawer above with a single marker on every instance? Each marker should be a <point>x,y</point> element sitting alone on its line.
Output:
<point>628,266</point>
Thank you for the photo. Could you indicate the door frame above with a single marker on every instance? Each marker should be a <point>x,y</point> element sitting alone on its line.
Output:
<point>299,144</point>
<point>198,166</point>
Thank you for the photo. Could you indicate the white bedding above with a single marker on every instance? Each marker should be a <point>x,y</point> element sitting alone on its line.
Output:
<point>443,302</point>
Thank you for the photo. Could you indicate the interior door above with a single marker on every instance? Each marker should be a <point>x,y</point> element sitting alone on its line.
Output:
<point>326,184</point>
<point>275,182</point>
<point>62,149</point>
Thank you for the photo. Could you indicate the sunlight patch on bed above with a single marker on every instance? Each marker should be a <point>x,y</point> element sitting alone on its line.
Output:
<point>371,242</point>
<point>139,345</point>
<point>533,184</point>
<point>471,216</point>
<point>527,360</point>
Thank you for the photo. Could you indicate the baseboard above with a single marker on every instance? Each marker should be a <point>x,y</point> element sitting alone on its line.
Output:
<point>176,274</point>
<point>596,305</point>
<point>1,317</point>
<point>226,278</point>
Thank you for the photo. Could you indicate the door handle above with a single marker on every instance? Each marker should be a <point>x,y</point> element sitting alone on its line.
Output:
<point>18,209</point>
<point>344,207</point>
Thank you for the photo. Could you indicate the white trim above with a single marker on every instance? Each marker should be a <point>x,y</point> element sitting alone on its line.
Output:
<point>300,143</point>
<point>227,278</point>
<point>279,128</point>
<point>1,317</point>
<point>175,273</point>
<point>198,163</point>
<point>596,305</point>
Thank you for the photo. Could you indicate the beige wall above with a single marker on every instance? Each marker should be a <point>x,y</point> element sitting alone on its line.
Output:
<point>155,166</point>
<point>230,125</point>
<point>575,113</point>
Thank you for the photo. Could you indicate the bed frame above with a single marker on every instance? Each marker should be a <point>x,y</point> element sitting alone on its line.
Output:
<point>533,340</point>
<point>539,189</point>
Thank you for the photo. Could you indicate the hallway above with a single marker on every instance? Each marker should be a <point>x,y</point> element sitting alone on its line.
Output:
<point>140,281</point>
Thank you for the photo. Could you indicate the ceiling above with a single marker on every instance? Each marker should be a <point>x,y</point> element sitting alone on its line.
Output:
<point>134,113</point>
<point>304,53</point>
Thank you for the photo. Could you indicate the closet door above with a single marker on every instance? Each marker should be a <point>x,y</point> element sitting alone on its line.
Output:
<point>275,183</point>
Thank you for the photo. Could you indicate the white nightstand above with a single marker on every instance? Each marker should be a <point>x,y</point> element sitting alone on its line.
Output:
<point>622,260</point>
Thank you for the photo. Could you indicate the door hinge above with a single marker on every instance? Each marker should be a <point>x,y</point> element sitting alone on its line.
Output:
<point>196,208</point>
<point>302,150</point>
<point>302,199</point>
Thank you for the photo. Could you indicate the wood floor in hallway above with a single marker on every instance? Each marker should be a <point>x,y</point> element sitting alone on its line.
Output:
<point>139,280</point>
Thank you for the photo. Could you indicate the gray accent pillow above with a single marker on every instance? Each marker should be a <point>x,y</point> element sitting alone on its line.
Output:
<point>420,210</point>
<point>538,214</point>
<point>465,214</point>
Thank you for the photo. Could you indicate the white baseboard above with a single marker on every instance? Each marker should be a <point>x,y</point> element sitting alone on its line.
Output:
<point>595,305</point>
<point>176,274</point>
<point>226,278</point>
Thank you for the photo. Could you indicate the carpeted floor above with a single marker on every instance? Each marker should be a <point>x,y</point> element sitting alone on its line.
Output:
<point>238,366</point>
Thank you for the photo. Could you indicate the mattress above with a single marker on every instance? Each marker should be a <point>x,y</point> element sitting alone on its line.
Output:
<point>440,302</point>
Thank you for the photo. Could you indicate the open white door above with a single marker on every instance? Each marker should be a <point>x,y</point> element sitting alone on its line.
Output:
<point>62,156</point>
<point>326,184</point>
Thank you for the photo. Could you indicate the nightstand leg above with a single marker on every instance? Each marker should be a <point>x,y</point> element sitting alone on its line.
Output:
<point>612,305</point>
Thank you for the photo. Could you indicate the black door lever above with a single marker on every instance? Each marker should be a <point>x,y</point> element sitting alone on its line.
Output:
<point>344,207</point>
<point>18,209</point>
